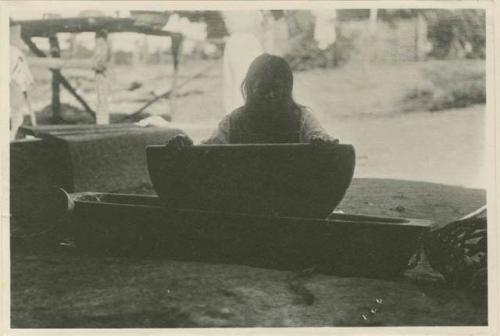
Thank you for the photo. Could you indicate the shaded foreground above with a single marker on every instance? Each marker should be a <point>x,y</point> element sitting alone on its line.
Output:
<point>62,290</point>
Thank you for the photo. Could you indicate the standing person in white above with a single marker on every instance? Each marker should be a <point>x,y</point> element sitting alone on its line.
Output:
<point>21,80</point>
<point>242,47</point>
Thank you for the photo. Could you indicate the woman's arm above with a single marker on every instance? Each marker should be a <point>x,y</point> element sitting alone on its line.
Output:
<point>311,129</point>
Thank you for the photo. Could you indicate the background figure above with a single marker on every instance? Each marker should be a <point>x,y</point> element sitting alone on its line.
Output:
<point>325,31</point>
<point>21,80</point>
<point>242,47</point>
<point>275,32</point>
<point>324,28</point>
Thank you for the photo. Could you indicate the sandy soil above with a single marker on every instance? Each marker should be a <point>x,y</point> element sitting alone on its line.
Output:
<point>59,289</point>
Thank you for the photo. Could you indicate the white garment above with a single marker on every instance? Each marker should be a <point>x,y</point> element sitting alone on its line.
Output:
<point>281,37</point>
<point>20,73</point>
<point>275,36</point>
<point>21,80</point>
<point>324,28</point>
<point>242,47</point>
<point>103,89</point>
<point>243,22</point>
<point>16,121</point>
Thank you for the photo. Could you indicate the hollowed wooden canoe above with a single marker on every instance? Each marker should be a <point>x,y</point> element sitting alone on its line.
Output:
<point>353,245</point>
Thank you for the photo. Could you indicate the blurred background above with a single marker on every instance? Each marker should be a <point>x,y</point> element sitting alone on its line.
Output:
<point>405,86</point>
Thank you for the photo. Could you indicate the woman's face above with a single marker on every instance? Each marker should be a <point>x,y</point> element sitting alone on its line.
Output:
<point>271,93</point>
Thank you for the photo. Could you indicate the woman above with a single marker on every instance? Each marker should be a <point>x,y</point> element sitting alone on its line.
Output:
<point>269,114</point>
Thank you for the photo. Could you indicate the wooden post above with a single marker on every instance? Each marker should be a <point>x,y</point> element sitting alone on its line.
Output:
<point>176,51</point>
<point>173,94</point>
<point>101,62</point>
<point>55,51</point>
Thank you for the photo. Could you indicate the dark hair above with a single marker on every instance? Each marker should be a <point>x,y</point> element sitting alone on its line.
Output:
<point>268,68</point>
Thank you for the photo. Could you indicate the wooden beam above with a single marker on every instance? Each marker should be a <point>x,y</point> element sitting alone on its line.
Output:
<point>35,50</point>
<point>56,88</point>
<point>176,48</point>
<point>47,27</point>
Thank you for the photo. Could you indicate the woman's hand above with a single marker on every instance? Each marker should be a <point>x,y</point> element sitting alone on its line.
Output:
<point>179,141</point>
<point>320,141</point>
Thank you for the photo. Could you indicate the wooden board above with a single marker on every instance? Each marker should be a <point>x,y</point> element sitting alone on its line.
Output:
<point>281,179</point>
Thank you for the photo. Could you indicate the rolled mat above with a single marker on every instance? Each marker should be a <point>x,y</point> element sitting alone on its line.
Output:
<point>102,158</point>
<point>75,158</point>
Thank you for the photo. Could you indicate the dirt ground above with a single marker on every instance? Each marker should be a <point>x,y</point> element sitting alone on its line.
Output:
<point>64,290</point>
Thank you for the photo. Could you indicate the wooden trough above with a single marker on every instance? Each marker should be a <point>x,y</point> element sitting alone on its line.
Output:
<point>131,225</point>
<point>259,205</point>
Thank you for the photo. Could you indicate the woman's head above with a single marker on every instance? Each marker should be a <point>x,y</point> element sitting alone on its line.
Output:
<point>268,84</point>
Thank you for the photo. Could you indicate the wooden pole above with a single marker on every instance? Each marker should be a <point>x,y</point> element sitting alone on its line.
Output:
<point>176,46</point>
<point>173,94</point>
<point>55,51</point>
<point>101,60</point>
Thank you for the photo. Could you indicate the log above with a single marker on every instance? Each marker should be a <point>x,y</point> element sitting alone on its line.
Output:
<point>46,27</point>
